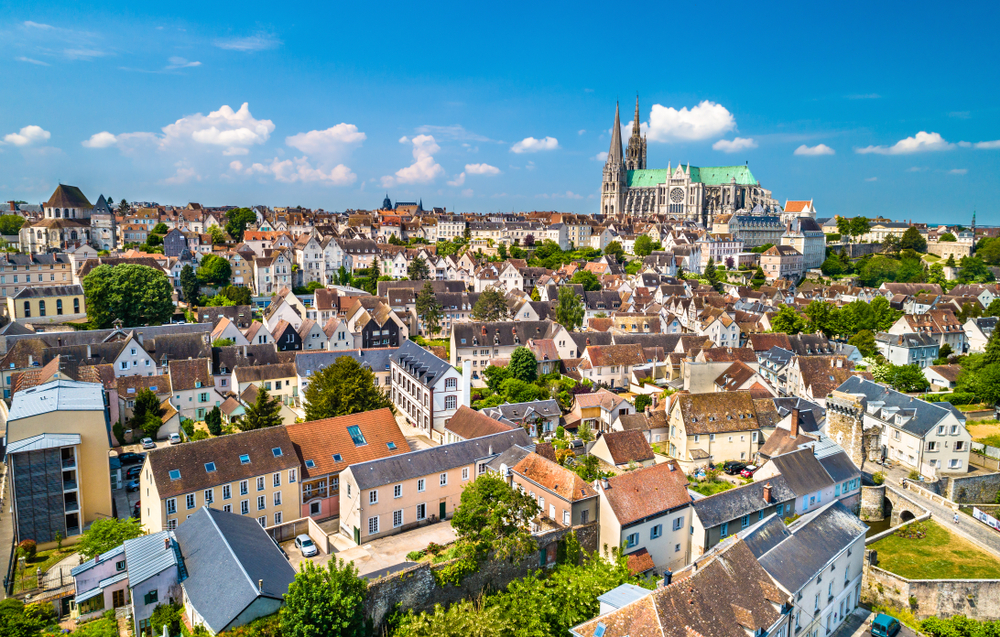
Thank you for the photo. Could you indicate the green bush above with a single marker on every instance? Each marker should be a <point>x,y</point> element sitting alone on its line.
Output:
<point>914,475</point>
<point>878,478</point>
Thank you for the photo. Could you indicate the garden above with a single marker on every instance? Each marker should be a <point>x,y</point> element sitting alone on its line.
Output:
<point>927,550</point>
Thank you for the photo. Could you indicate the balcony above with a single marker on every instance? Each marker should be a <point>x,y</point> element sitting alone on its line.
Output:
<point>69,463</point>
<point>72,507</point>
<point>69,485</point>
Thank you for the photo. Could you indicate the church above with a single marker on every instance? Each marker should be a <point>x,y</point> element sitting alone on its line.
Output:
<point>686,193</point>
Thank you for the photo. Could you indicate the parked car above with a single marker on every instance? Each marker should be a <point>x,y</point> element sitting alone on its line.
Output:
<point>133,485</point>
<point>305,545</point>
<point>733,467</point>
<point>133,472</point>
<point>147,443</point>
<point>136,509</point>
<point>748,471</point>
<point>174,439</point>
<point>884,626</point>
<point>131,458</point>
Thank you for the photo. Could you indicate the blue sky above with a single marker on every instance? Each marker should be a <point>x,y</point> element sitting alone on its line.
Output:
<point>866,109</point>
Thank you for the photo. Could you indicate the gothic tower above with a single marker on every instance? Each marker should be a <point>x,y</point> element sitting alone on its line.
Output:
<point>615,184</point>
<point>635,154</point>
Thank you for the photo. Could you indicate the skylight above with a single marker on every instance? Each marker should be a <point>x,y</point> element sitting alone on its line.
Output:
<point>209,467</point>
<point>356,436</point>
<point>391,445</point>
<point>310,464</point>
<point>277,452</point>
<point>175,474</point>
<point>338,458</point>
<point>244,459</point>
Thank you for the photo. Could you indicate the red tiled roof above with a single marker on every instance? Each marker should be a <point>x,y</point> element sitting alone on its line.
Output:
<point>319,440</point>
<point>637,494</point>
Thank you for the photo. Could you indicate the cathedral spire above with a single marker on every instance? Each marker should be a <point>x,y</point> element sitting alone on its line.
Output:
<point>615,152</point>
<point>635,122</point>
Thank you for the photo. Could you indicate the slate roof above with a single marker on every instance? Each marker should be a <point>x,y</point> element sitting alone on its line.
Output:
<point>627,446</point>
<point>515,412</point>
<point>376,473</point>
<point>317,441</point>
<point>467,423</point>
<point>420,363</point>
<point>642,493</point>
<point>49,291</point>
<point>803,472</point>
<point>149,555</point>
<point>585,339</point>
<point>840,467</point>
<point>377,360</point>
<point>731,504</point>
<point>233,356</point>
<point>922,416</point>
<point>501,333</point>
<point>220,547</point>
<point>764,342</point>
<point>511,457</point>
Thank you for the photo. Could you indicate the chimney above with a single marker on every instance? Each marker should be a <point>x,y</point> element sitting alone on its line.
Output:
<point>656,399</point>
<point>484,330</point>
<point>166,544</point>
<point>260,586</point>
<point>840,362</point>
<point>88,352</point>
<point>668,577</point>
<point>793,429</point>
<point>31,359</point>
<point>767,493</point>
<point>466,383</point>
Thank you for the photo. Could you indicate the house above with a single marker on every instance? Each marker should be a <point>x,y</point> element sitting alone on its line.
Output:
<point>426,390</point>
<point>782,262</point>
<point>538,417</point>
<point>280,380</point>
<point>154,565</point>
<point>58,436</point>
<point>908,349</point>
<point>326,447</point>
<point>632,518</point>
<point>254,473</point>
<point>942,325</point>
<point>391,495</point>
<point>192,387</point>
<point>623,449</point>
<point>563,497</point>
<point>942,377</point>
<point>808,478</point>
<point>713,427</point>
<point>726,513</point>
<point>481,342</point>
<point>48,304</point>
<point>611,365</point>
<point>286,337</point>
<point>598,410</point>
<point>227,330</point>
<point>469,424</point>
<point>978,332</point>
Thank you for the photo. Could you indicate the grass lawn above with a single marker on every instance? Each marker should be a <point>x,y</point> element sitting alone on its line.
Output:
<point>43,560</point>
<point>931,258</point>
<point>939,555</point>
<point>710,487</point>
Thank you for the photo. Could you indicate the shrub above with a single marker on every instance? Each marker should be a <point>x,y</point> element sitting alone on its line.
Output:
<point>913,531</point>
<point>413,556</point>
<point>434,548</point>
<point>878,478</point>
<point>914,475</point>
<point>28,548</point>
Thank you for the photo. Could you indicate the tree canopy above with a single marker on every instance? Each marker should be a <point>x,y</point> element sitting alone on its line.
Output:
<point>11,224</point>
<point>214,270</point>
<point>136,294</point>
<point>429,310</point>
<point>418,270</point>
<point>343,388</point>
<point>491,306</point>
<point>494,518</point>
<point>190,288</point>
<point>523,365</point>
<point>913,240</point>
<point>105,534</point>
<point>569,310</point>
<point>237,221</point>
<point>325,602</point>
<point>263,412</point>
<point>587,279</point>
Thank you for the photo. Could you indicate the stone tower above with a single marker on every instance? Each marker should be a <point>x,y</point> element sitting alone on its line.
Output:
<point>635,154</point>
<point>615,183</point>
<point>845,425</point>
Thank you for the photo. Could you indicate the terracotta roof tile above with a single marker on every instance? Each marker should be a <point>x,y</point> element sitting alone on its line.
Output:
<point>557,479</point>
<point>641,493</point>
<point>318,440</point>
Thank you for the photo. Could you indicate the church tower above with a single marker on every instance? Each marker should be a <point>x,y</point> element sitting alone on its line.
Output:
<point>614,184</point>
<point>635,154</point>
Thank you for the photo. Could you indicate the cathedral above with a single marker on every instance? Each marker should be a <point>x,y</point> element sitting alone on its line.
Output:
<point>686,192</point>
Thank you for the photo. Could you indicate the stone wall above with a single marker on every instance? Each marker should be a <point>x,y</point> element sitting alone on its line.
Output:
<point>845,415</point>
<point>981,489</point>
<point>872,503</point>
<point>944,249</point>
<point>855,250</point>
<point>976,599</point>
<point>415,588</point>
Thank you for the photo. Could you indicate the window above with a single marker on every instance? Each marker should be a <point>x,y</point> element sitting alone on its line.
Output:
<point>276,452</point>
<point>171,525</point>
<point>450,384</point>
<point>780,509</point>
<point>277,498</point>
<point>262,520</point>
<point>679,523</point>
<point>656,531</point>
<point>724,530</point>
<point>151,597</point>
<point>244,487</point>
<point>566,518</point>
<point>954,463</point>
<point>171,506</point>
<point>293,475</point>
<point>631,540</point>
<point>420,485</point>
<point>209,467</point>
<point>209,496</point>
<point>276,478</point>
<point>421,511</point>
<point>397,519</point>
<point>189,500</point>
<point>745,522</point>
<point>260,483</point>
<point>59,306</point>
<point>120,566</point>
<point>244,459</point>
<point>277,517</point>
<point>175,474</point>
<point>677,548</point>
<point>373,496</point>
<point>356,436</point>
<point>450,402</point>
<point>261,503</point>
<point>226,492</point>
<point>373,525</point>
<point>338,458</point>
<point>465,473</point>
<point>443,478</point>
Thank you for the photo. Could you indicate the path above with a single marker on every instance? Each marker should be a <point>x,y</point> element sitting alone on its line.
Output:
<point>976,531</point>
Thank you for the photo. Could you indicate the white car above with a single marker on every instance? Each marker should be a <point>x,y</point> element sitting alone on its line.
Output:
<point>306,546</point>
<point>175,439</point>
<point>147,443</point>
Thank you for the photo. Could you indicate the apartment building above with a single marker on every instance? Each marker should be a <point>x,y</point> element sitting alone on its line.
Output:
<point>426,390</point>
<point>18,270</point>
<point>480,342</point>
<point>47,304</point>
<point>725,514</point>
<point>714,427</point>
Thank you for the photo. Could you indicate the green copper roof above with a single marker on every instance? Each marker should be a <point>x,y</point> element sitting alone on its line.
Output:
<point>708,175</point>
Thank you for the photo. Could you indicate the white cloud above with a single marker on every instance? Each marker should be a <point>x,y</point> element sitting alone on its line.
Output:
<point>32,61</point>
<point>864,96</point>
<point>458,180</point>
<point>988,145</point>
<point>84,54</point>
<point>424,169</point>
<point>916,169</point>
<point>814,151</point>
<point>481,169</point>
<point>39,25</point>
<point>919,143</point>
<point>737,144</point>
<point>183,175</point>
<point>249,44</point>
<point>100,140</point>
<point>180,63</point>
<point>601,156</point>
<point>871,178</point>
<point>224,127</point>
<point>958,171</point>
<point>532,145</point>
<point>300,170</point>
<point>334,143</point>
<point>27,136</point>
<point>706,120</point>
<point>236,165</point>
<point>581,131</point>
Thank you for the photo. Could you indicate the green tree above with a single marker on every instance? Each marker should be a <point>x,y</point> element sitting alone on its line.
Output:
<point>429,310</point>
<point>237,221</point>
<point>712,275</point>
<point>502,251</point>
<point>264,412</point>
<point>214,270</point>
<point>950,263</point>
<point>643,245</point>
<point>642,401</point>
<point>494,519</point>
<point>523,365</point>
<point>515,390</point>
<point>844,228</point>
<point>587,279</point>
<point>865,342</point>
<point>935,274</point>
<point>890,245</point>
<point>860,226</point>
<point>947,238</point>
<point>878,270</point>
<point>136,294</point>
<point>986,384</point>
<point>994,308</point>
<point>992,353</point>
<point>146,407</point>
<point>973,269</point>
<point>123,208</point>
<point>10,224</point>
<point>325,602</point>
<point>190,288</point>
<point>832,266</point>
<point>418,270</point>
<point>395,241</point>
<point>906,378</point>
<point>788,321</point>
<point>822,318</point>
<point>911,271</point>
<point>213,420</point>
<point>491,306</point>
<point>218,235</point>
<point>569,310</point>
<point>105,534</point>
<point>615,249</point>
<point>223,342</point>
<point>759,278</point>
<point>168,615</point>
<point>160,228</point>
<point>154,240</point>
<point>913,240</point>
<point>345,387</point>
<point>535,296</point>
<point>236,294</point>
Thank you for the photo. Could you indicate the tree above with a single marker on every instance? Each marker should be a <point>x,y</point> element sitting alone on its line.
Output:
<point>502,251</point>
<point>105,534</point>
<point>160,228</point>
<point>166,615</point>
<point>569,310</point>
<point>395,241</point>
<point>146,404</point>
<point>950,263</point>
<point>947,238</point>
<point>832,266</point>
<point>788,321</point>
<point>223,342</point>
<point>712,275</point>
<point>906,378</point>
<point>345,387</point>
<point>418,270</point>
<point>986,384</point>
<point>214,270</point>
<point>890,244</point>
<point>154,240</point>
<point>913,240</point>
<point>535,296</point>
<point>237,221</point>
<point>822,318</point>
<point>218,235</point>
<point>911,271</point>
<point>730,263</point>
<point>642,401</point>
<point>860,226</point>
<point>325,602</point>
<point>236,294</point>
<point>515,390</point>
<point>878,270</point>
<point>10,224</point>
<point>615,249</point>
<point>190,287</point>
<point>523,365</point>
<point>493,518</point>
<point>491,306</point>
<point>643,245</point>
<point>136,294</point>
<point>844,227</point>
<point>992,353</point>
<point>973,269</point>
<point>264,412</point>
<point>988,249</point>
<point>429,310</point>
<point>758,278</point>
<point>865,342</point>
<point>213,420</point>
<point>123,208</point>
<point>587,279</point>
